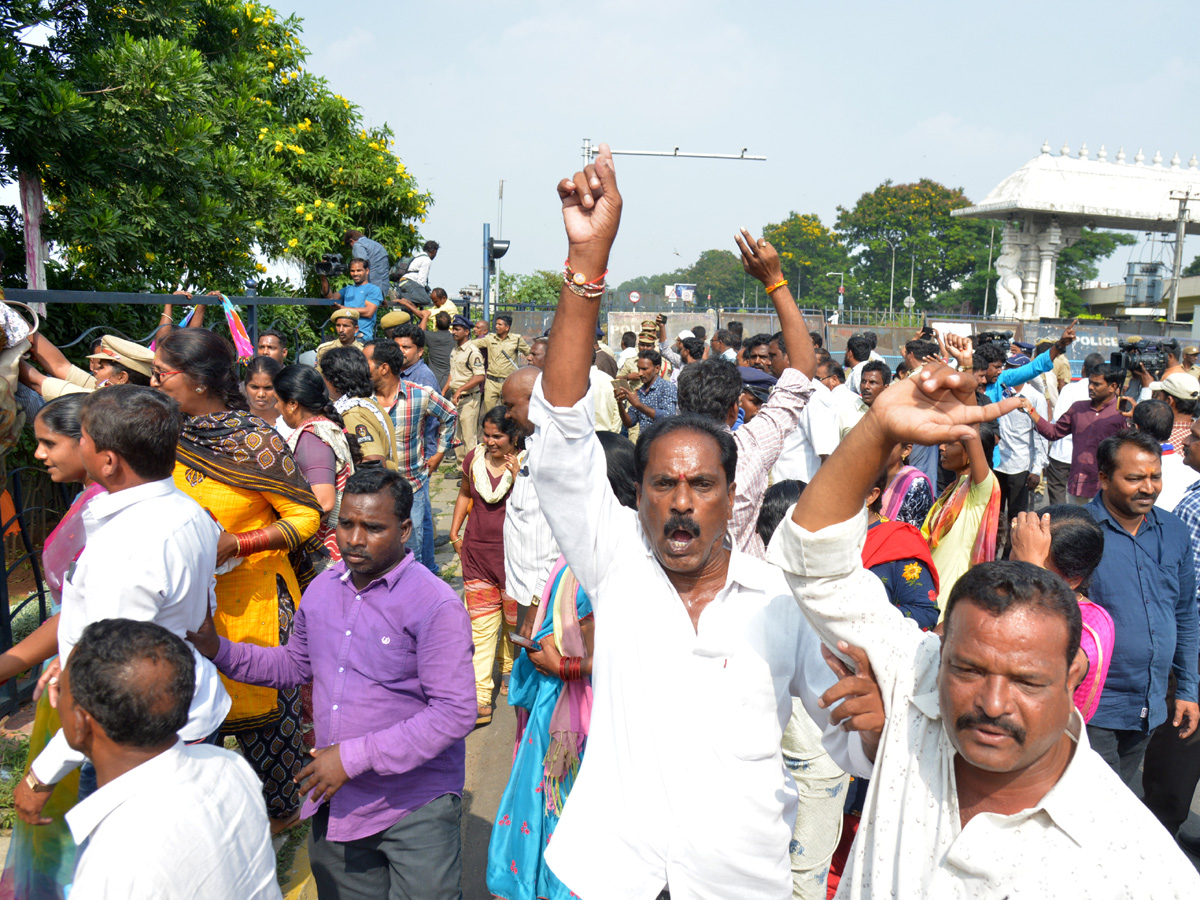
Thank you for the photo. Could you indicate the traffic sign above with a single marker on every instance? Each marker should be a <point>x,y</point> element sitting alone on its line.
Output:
<point>634,296</point>
<point>910,301</point>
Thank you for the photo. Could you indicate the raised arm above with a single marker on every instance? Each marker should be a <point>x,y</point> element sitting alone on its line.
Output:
<point>934,407</point>
<point>760,259</point>
<point>591,206</point>
<point>49,357</point>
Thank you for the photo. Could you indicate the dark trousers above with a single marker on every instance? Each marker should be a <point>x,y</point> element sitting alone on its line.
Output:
<point>1056,481</point>
<point>1123,750</point>
<point>418,857</point>
<point>1172,770</point>
<point>1014,492</point>
<point>1014,498</point>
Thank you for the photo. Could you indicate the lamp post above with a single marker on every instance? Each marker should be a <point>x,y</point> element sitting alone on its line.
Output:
<point>841,290</point>
<point>892,286</point>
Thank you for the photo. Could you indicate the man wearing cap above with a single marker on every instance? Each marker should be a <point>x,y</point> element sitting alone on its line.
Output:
<point>360,295</point>
<point>345,326</point>
<point>465,387</point>
<point>1180,392</point>
<point>392,320</point>
<point>671,353</point>
<point>115,361</point>
<point>1022,451</point>
<point>1190,353</point>
<point>502,348</point>
<point>756,391</point>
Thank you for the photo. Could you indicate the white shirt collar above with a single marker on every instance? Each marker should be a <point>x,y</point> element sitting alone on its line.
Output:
<point>87,815</point>
<point>102,506</point>
<point>1068,801</point>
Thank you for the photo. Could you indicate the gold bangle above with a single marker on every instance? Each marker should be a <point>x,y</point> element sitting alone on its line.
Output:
<point>777,285</point>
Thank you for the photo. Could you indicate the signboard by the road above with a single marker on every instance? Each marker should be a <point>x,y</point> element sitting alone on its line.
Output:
<point>634,297</point>
<point>684,292</point>
<point>910,301</point>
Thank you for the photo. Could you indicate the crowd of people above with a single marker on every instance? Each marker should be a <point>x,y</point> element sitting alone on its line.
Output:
<point>775,624</point>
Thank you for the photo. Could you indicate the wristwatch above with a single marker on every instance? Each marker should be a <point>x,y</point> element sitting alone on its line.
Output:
<point>36,784</point>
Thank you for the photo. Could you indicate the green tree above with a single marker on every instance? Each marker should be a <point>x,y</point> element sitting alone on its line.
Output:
<point>809,251</point>
<point>539,289</point>
<point>1077,264</point>
<point>717,274</point>
<point>940,251</point>
<point>654,285</point>
<point>1192,268</point>
<point>177,140</point>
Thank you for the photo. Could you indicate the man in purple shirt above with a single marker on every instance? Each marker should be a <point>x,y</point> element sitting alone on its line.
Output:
<point>1090,422</point>
<point>387,646</point>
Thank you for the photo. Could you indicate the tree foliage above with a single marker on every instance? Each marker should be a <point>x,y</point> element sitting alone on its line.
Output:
<point>808,252</point>
<point>1077,265</point>
<point>940,251</point>
<point>179,140</point>
<point>1192,268</point>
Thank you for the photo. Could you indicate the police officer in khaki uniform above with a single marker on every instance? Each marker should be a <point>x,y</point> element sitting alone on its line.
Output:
<point>502,350</point>
<point>464,387</point>
<point>345,324</point>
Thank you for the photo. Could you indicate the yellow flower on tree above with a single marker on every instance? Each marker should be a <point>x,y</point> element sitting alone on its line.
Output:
<point>308,217</point>
<point>300,209</point>
<point>293,242</point>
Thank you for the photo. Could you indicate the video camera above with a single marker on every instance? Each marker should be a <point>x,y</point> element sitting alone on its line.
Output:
<point>331,264</point>
<point>1134,353</point>
<point>1003,339</point>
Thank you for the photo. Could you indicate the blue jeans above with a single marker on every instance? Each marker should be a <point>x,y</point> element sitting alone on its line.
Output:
<point>422,524</point>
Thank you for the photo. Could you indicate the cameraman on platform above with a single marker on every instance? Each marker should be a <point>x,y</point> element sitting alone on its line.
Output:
<point>361,295</point>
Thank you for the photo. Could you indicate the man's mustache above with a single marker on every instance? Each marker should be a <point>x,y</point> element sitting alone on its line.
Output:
<point>979,719</point>
<point>681,523</point>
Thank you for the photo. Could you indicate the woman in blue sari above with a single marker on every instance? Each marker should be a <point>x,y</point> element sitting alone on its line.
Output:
<point>551,689</point>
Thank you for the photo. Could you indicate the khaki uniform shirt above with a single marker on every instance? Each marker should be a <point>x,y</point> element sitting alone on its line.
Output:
<point>329,345</point>
<point>76,382</point>
<point>466,362</point>
<point>502,353</point>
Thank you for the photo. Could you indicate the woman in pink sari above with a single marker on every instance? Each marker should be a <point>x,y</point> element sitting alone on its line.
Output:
<point>41,858</point>
<point>909,494</point>
<point>1066,540</point>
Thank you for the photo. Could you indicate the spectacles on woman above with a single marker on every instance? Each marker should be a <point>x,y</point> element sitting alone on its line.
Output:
<point>160,375</point>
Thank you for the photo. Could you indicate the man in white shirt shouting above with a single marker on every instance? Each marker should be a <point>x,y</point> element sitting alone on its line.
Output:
<point>699,647</point>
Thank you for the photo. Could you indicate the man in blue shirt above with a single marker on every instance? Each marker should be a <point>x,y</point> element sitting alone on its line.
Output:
<point>375,256</point>
<point>1146,580</point>
<point>1172,768</point>
<point>361,295</point>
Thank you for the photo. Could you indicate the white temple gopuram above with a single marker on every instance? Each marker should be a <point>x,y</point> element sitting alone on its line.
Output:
<point>1049,200</point>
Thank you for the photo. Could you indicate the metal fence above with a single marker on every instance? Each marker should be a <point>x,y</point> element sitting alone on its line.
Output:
<point>38,505</point>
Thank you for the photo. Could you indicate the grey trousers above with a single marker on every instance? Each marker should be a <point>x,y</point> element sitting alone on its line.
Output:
<point>418,857</point>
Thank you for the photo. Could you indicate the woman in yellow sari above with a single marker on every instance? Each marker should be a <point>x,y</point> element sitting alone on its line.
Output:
<point>237,467</point>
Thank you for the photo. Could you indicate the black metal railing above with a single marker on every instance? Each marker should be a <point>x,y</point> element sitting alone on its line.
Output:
<point>38,505</point>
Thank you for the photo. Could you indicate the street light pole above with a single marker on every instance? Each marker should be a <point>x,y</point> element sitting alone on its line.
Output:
<point>892,287</point>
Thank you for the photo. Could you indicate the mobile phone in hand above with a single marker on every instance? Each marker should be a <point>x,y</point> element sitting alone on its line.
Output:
<point>522,641</point>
